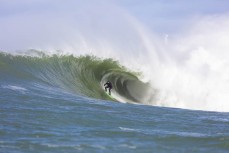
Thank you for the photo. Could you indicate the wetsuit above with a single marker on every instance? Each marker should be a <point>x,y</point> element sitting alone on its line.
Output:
<point>109,86</point>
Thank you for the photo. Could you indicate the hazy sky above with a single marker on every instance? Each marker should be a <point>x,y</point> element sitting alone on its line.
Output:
<point>162,14</point>
<point>37,23</point>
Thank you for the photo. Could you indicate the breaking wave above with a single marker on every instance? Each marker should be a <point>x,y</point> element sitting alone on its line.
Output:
<point>83,75</point>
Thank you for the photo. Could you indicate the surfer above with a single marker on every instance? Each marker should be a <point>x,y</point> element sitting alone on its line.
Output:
<point>109,86</point>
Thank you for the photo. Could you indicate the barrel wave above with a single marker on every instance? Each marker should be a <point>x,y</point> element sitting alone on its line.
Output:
<point>83,75</point>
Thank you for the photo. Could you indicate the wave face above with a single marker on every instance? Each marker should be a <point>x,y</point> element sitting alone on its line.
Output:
<point>83,75</point>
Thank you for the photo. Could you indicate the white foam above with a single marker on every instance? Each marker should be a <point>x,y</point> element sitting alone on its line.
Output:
<point>127,129</point>
<point>13,87</point>
<point>196,70</point>
<point>128,146</point>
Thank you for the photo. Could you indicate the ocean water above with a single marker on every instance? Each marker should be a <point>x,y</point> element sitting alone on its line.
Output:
<point>57,104</point>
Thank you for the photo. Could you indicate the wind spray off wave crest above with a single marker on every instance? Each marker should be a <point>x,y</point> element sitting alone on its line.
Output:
<point>195,73</point>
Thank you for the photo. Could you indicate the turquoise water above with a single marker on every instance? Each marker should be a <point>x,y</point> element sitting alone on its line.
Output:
<point>56,104</point>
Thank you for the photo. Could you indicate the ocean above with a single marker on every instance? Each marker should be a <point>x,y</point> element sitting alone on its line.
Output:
<point>57,104</point>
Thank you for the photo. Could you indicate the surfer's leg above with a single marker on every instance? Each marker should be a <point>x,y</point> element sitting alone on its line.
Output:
<point>109,91</point>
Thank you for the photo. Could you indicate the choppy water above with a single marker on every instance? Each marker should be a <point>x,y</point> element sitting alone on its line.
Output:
<point>57,104</point>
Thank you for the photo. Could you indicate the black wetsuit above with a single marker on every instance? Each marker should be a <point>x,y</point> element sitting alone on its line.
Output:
<point>109,86</point>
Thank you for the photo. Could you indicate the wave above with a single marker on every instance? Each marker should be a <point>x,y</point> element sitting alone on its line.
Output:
<point>83,75</point>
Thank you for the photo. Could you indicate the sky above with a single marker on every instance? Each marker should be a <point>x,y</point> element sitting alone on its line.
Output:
<point>167,15</point>
<point>42,23</point>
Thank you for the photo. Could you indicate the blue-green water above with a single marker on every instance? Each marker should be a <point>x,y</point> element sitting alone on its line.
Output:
<point>57,104</point>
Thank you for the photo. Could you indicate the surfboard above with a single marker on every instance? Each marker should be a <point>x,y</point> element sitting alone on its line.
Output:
<point>107,93</point>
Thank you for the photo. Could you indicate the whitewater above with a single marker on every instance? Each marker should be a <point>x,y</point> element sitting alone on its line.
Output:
<point>170,90</point>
